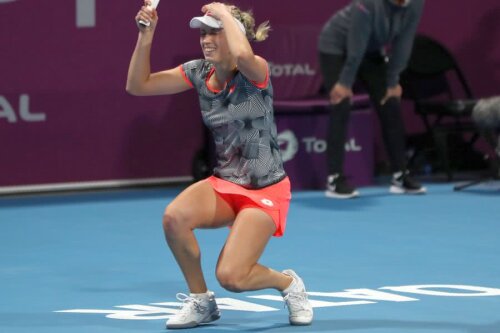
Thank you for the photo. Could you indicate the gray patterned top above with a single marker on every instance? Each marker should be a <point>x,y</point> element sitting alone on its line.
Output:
<point>241,120</point>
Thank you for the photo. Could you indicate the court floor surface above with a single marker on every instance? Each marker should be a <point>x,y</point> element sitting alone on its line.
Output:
<point>97,262</point>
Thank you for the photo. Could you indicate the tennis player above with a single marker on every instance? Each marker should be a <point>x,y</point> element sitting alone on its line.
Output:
<point>249,190</point>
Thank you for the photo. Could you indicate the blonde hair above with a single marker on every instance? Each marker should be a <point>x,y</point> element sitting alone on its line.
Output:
<point>248,21</point>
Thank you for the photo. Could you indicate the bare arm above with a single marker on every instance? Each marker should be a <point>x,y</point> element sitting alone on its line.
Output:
<point>250,65</point>
<point>140,80</point>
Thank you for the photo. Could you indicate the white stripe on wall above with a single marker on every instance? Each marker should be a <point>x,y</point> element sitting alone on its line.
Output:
<point>92,185</point>
<point>85,13</point>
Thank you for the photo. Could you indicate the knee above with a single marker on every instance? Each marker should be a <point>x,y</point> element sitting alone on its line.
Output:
<point>174,222</point>
<point>231,279</point>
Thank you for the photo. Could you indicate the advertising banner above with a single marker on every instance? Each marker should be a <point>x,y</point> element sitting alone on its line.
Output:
<point>65,116</point>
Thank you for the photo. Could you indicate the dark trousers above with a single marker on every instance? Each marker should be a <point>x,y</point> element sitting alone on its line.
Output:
<point>372,74</point>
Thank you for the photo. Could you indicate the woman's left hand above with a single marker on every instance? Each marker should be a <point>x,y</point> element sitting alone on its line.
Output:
<point>216,10</point>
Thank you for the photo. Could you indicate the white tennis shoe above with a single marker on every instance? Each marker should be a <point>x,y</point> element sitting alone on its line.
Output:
<point>295,297</point>
<point>196,309</point>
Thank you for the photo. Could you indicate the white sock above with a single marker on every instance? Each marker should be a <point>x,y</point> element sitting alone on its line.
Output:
<point>204,295</point>
<point>290,287</point>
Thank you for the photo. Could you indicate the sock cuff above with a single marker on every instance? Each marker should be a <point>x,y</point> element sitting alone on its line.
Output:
<point>291,286</point>
<point>204,295</point>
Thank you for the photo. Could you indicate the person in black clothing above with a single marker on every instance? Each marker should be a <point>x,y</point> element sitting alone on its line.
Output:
<point>369,40</point>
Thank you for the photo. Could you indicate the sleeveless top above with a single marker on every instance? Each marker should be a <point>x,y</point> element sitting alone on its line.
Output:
<point>241,120</point>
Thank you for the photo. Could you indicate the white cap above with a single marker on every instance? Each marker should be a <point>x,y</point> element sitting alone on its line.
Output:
<point>209,21</point>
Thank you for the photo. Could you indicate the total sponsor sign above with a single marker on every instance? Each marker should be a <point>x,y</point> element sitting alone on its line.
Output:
<point>291,69</point>
<point>290,145</point>
<point>11,114</point>
<point>349,297</point>
<point>85,12</point>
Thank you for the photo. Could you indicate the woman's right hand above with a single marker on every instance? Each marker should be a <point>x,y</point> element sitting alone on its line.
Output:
<point>146,14</point>
<point>339,92</point>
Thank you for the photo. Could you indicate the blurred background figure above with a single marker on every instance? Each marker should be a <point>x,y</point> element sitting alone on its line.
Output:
<point>369,40</point>
<point>486,114</point>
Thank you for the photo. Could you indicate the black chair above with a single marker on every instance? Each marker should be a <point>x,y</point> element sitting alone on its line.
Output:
<point>441,96</point>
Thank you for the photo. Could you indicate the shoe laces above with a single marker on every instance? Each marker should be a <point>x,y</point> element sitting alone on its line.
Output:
<point>296,301</point>
<point>189,304</point>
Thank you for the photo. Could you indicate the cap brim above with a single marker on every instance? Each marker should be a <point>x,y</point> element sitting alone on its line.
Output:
<point>207,21</point>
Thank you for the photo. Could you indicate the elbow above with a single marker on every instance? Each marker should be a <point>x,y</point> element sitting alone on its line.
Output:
<point>135,86</point>
<point>131,90</point>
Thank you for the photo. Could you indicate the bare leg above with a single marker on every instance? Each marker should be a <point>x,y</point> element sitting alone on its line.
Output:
<point>237,269</point>
<point>198,206</point>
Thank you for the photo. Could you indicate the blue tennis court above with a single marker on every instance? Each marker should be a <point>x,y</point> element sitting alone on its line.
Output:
<point>97,262</point>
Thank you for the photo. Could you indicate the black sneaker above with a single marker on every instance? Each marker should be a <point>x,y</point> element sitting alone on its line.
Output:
<point>338,188</point>
<point>402,183</point>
